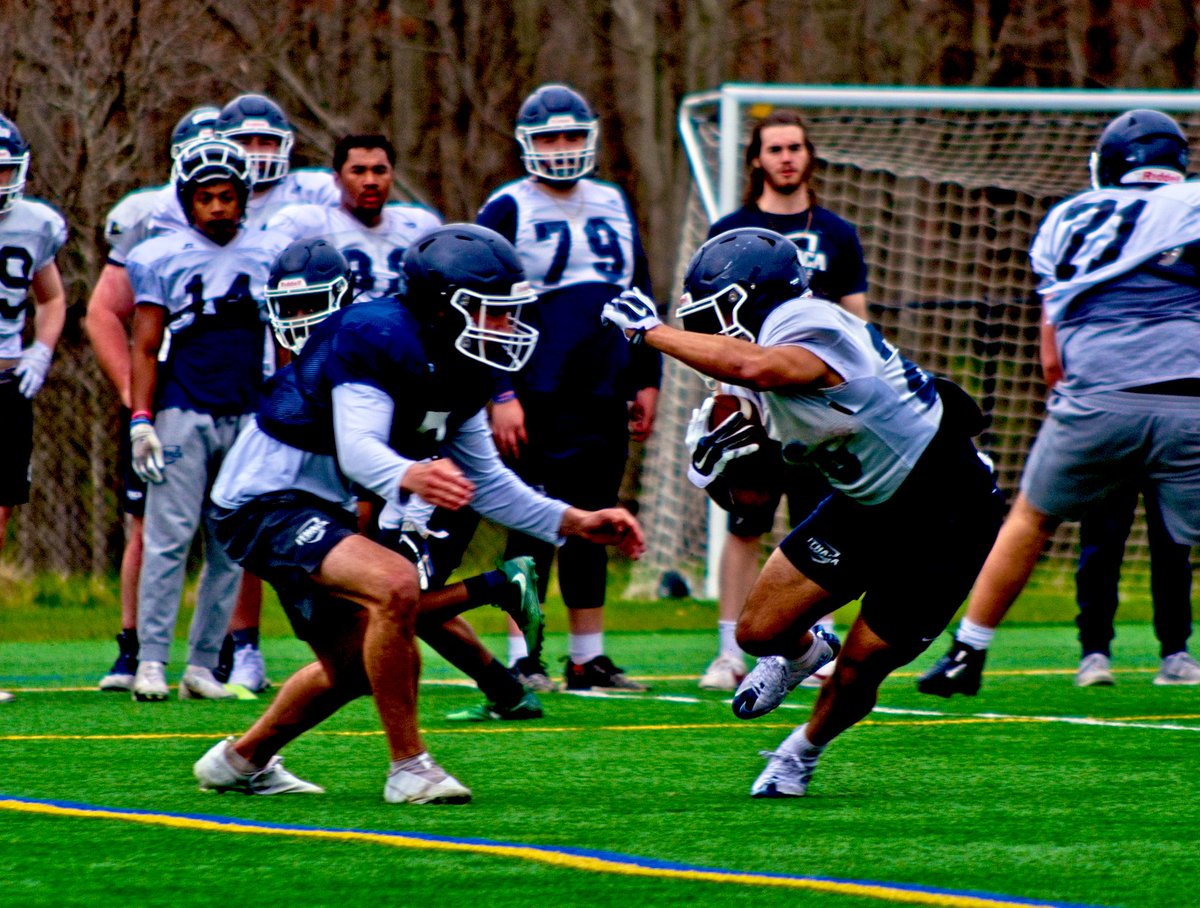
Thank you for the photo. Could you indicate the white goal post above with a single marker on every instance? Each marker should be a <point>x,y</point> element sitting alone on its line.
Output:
<point>946,188</point>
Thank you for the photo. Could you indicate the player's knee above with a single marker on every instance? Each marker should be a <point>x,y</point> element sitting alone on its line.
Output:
<point>755,636</point>
<point>396,594</point>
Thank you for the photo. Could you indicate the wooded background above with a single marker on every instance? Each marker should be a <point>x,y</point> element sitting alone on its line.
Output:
<point>96,85</point>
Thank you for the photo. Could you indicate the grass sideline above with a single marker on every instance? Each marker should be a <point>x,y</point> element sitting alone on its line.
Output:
<point>1035,790</point>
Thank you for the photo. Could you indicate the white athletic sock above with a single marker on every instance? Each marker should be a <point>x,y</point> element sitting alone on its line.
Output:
<point>518,648</point>
<point>239,763</point>
<point>974,635</point>
<point>727,638</point>
<point>815,653</point>
<point>585,647</point>
<point>409,763</point>
<point>798,745</point>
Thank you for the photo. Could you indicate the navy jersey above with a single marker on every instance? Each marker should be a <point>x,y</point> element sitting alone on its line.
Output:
<point>376,344</point>
<point>30,236</point>
<point>212,357</point>
<point>361,403</point>
<point>829,246</point>
<point>578,252</point>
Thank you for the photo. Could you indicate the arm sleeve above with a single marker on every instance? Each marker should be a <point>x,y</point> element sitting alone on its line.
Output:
<point>499,492</point>
<point>500,214</point>
<point>362,420</point>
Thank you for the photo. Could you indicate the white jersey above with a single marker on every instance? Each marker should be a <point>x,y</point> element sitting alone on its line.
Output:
<point>373,253</point>
<point>130,221</point>
<point>299,187</point>
<point>1120,277</point>
<point>865,434</point>
<point>31,234</point>
<point>1103,234</point>
<point>588,237</point>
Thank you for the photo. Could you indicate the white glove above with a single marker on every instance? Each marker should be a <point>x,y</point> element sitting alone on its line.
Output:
<point>631,311</point>
<point>147,451</point>
<point>32,369</point>
<point>712,451</point>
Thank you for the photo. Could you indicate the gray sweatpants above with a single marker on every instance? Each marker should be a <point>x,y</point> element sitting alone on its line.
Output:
<point>194,444</point>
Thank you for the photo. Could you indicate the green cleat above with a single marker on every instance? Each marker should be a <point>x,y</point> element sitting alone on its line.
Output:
<point>528,707</point>
<point>526,610</point>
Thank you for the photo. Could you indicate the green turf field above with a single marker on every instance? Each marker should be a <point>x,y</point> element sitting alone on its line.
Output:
<point>1035,792</point>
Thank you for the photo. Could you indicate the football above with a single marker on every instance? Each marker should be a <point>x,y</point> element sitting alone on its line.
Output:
<point>750,482</point>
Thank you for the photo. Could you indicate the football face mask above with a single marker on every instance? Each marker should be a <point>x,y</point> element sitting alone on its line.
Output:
<point>295,307</point>
<point>494,333</point>
<point>715,314</point>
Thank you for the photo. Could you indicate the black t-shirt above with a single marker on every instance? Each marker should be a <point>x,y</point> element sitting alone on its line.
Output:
<point>829,245</point>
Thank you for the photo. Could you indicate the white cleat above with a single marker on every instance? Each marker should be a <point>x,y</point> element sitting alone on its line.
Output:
<point>774,677</point>
<point>1094,671</point>
<point>1178,668</point>
<point>424,783</point>
<point>214,773</point>
<point>724,673</point>
<point>786,776</point>
<point>198,683</point>
<point>818,678</point>
<point>249,670</point>
<point>150,682</point>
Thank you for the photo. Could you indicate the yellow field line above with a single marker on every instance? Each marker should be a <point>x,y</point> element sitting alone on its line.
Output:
<point>543,855</point>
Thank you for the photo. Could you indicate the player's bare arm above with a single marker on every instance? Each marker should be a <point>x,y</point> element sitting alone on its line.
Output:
<point>109,314</point>
<point>51,301</point>
<point>148,327</point>
<point>740,362</point>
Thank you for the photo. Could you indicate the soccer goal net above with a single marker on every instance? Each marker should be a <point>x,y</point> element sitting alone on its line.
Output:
<point>946,188</point>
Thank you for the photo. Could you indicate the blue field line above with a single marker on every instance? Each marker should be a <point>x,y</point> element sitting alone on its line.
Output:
<point>583,859</point>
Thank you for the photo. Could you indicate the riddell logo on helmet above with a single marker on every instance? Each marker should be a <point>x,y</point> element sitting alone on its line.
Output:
<point>292,283</point>
<point>1152,175</point>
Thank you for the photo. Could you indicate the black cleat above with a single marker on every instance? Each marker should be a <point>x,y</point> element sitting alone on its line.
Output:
<point>599,672</point>
<point>960,671</point>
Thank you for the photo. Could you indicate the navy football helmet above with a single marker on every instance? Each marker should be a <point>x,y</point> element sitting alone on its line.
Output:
<point>14,164</point>
<point>736,279</point>
<point>467,286</point>
<point>258,115</point>
<point>1140,147</point>
<point>308,283</point>
<point>554,109</point>
<point>197,123</point>
<point>209,161</point>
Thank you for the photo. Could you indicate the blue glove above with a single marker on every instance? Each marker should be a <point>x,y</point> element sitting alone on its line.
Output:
<point>633,312</point>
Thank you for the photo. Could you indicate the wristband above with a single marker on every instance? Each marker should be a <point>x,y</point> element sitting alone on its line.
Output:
<point>504,397</point>
<point>144,415</point>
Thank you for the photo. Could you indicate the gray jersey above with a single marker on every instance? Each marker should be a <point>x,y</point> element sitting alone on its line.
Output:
<point>868,432</point>
<point>30,236</point>
<point>1120,283</point>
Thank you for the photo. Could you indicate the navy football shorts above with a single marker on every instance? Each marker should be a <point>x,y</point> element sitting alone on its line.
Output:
<point>913,558</point>
<point>16,411</point>
<point>283,537</point>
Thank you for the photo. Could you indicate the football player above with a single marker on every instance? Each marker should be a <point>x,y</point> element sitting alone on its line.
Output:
<point>894,446</point>
<point>564,422</point>
<point>259,125</point>
<point>309,282</point>
<point>389,395</point>
<point>109,314</point>
<point>781,158</point>
<point>1120,275</point>
<point>368,230</point>
<point>31,233</point>
<point>195,376</point>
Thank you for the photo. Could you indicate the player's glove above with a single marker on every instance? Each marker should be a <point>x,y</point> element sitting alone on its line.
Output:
<point>32,369</point>
<point>737,436</point>
<point>146,450</point>
<point>632,311</point>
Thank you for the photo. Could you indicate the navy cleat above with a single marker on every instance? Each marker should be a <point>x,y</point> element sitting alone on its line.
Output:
<point>960,671</point>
